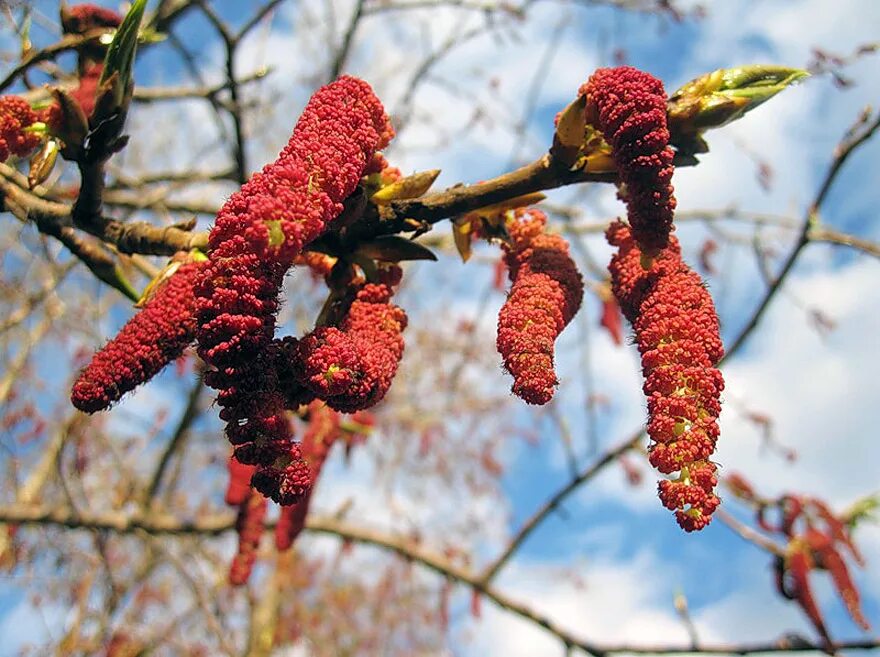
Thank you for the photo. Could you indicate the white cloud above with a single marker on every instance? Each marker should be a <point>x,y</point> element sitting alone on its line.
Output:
<point>608,602</point>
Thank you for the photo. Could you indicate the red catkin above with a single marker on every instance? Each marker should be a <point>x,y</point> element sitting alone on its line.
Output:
<point>546,293</point>
<point>322,433</point>
<point>79,19</point>
<point>677,333</point>
<point>156,335</point>
<point>629,107</point>
<point>239,486</point>
<point>249,526</point>
<point>258,233</point>
<point>15,116</point>
<point>351,366</point>
<point>87,90</point>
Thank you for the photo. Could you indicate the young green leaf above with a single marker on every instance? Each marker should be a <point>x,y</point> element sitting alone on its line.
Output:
<point>120,54</point>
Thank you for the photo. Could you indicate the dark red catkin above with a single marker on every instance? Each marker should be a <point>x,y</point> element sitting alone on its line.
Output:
<point>15,116</point>
<point>322,433</point>
<point>351,367</point>
<point>156,335</point>
<point>249,526</point>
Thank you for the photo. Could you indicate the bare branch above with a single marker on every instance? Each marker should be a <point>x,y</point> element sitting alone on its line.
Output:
<point>860,134</point>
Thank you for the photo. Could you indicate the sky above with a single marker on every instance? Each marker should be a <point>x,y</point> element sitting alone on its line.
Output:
<point>819,389</point>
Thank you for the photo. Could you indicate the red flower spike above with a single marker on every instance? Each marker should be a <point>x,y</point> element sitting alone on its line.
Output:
<point>546,293</point>
<point>629,107</point>
<point>322,432</point>
<point>677,333</point>
<point>249,525</point>
<point>239,486</point>
<point>156,335</point>
<point>351,367</point>
<point>15,116</point>
<point>258,234</point>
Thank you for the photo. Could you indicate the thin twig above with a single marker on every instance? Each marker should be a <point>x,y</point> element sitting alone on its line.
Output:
<point>208,525</point>
<point>841,155</point>
<point>555,500</point>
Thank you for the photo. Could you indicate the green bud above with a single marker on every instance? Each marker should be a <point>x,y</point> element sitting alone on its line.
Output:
<point>723,96</point>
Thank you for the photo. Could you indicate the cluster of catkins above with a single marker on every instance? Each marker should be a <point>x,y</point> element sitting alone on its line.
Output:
<point>229,303</point>
<point>258,233</point>
<point>671,311</point>
<point>545,294</point>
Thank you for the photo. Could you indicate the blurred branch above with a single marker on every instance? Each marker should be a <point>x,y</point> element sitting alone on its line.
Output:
<point>345,47</point>
<point>408,549</point>
<point>34,300</point>
<point>179,177</point>
<point>67,43</point>
<point>178,440</point>
<point>555,500</point>
<point>55,219</point>
<point>831,236</point>
<point>158,94</point>
<point>860,133</point>
<point>231,42</point>
<point>749,534</point>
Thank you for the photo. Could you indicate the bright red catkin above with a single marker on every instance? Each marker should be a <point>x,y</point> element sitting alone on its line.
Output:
<point>316,444</point>
<point>15,116</point>
<point>677,332</point>
<point>629,107</point>
<point>258,233</point>
<point>249,525</point>
<point>351,367</point>
<point>546,293</point>
<point>156,335</point>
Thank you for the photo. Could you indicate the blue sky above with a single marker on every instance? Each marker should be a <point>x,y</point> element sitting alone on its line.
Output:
<point>820,391</point>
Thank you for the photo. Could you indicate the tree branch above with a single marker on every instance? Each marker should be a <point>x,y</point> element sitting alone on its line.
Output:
<point>213,525</point>
<point>555,500</point>
<point>841,154</point>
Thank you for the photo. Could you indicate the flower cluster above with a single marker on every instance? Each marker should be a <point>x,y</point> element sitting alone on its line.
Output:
<point>677,333</point>
<point>322,433</point>
<point>155,336</point>
<point>15,116</point>
<point>257,235</point>
<point>351,366</point>
<point>249,526</point>
<point>629,107</point>
<point>546,293</point>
